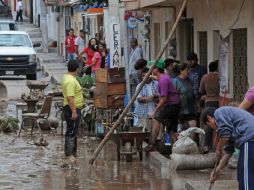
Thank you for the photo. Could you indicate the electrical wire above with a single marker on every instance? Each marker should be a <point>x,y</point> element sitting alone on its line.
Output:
<point>230,27</point>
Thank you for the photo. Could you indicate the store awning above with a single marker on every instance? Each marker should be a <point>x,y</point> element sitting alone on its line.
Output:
<point>139,4</point>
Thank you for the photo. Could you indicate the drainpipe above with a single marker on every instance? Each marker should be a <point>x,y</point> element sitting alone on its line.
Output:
<point>44,27</point>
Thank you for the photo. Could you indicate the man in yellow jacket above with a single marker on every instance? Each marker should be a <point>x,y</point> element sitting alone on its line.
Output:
<point>73,103</point>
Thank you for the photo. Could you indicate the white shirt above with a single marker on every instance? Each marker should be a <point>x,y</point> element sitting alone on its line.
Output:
<point>135,55</point>
<point>81,43</point>
<point>19,6</point>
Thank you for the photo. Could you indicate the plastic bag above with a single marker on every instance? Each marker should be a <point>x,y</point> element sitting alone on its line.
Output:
<point>184,144</point>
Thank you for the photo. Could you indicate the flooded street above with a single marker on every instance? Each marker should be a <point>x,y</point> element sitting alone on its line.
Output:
<point>26,166</point>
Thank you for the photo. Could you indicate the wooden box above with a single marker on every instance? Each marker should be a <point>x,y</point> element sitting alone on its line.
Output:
<point>110,88</point>
<point>106,89</point>
<point>109,102</point>
<point>114,75</point>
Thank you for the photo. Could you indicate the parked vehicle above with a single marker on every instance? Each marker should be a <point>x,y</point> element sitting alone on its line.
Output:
<point>6,24</point>
<point>17,54</point>
<point>5,10</point>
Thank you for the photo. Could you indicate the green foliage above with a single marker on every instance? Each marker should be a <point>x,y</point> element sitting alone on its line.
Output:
<point>8,124</point>
<point>86,81</point>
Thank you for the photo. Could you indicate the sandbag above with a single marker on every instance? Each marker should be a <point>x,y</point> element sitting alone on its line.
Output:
<point>184,144</point>
<point>192,161</point>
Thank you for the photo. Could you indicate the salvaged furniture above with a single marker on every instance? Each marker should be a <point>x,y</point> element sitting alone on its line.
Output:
<point>110,88</point>
<point>43,114</point>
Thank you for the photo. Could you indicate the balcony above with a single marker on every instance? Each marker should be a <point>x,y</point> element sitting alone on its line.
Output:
<point>139,4</point>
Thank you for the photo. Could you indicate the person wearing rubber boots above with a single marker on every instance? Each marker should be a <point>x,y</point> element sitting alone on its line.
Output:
<point>235,129</point>
<point>73,103</point>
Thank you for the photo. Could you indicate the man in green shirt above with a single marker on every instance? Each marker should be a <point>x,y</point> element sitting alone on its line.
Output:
<point>73,103</point>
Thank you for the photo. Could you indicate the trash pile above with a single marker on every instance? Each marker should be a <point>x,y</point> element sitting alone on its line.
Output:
<point>8,124</point>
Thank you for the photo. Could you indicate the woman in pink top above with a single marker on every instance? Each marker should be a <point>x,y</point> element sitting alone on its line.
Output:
<point>248,102</point>
<point>96,60</point>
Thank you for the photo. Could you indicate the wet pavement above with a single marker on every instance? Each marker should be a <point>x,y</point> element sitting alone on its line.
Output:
<point>26,166</point>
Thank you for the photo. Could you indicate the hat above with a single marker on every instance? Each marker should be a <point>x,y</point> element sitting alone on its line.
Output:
<point>160,64</point>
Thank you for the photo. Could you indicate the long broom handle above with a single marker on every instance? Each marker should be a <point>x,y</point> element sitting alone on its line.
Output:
<point>214,170</point>
<point>107,137</point>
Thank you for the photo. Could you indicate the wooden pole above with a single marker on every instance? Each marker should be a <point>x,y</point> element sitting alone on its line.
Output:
<point>107,137</point>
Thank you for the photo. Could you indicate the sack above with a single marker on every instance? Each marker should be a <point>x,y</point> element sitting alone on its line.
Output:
<point>192,161</point>
<point>184,144</point>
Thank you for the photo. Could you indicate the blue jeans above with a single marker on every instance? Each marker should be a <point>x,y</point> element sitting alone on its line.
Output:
<point>70,146</point>
<point>70,56</point>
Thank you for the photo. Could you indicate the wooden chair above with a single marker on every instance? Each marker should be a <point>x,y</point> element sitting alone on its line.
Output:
<point>43,114</point>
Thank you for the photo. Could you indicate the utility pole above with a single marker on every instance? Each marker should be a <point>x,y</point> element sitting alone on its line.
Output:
<point>44,26</point>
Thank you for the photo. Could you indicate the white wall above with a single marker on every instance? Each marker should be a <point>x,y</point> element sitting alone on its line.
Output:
<point>161,16</point>
<point>220,15</point>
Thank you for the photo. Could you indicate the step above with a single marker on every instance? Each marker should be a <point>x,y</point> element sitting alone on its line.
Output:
<point>35,34</point>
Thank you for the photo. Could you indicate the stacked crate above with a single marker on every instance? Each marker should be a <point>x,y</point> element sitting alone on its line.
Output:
<point>110,88</point>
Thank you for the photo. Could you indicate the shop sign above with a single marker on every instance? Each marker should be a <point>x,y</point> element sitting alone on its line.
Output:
<point>132,23</point>
<point>115,44</point>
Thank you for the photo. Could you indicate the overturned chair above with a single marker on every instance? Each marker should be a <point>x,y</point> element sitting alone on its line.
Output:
<point>43,114</point>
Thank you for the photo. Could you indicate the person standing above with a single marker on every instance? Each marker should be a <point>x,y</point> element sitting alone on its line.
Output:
<point>19,10</point>
<point>136,54</point>
<point>96,60</point>
<point>145,102</point>
<point>195,73</point>
<point>210,90</point>
<point>185,91</point>
<point>168,108</point>
<point>80,42</point>
<point>73,103</point>
<point>89,55</point>
<point>234,128</point>
<point>210,86</point>
<point>70,45</point>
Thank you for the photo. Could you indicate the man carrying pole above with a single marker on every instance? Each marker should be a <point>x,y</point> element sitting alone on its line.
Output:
<point>235,129</point>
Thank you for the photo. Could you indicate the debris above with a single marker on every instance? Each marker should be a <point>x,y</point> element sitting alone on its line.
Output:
<point>41,142</point>
<point>8,124</point>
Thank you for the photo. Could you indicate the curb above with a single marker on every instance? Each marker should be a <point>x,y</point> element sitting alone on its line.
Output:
<point>49,74</point>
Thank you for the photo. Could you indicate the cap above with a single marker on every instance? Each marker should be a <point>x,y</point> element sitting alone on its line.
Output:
<point>160,64</point>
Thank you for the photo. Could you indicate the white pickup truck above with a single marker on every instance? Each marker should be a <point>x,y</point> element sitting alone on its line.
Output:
<point>17,55</point>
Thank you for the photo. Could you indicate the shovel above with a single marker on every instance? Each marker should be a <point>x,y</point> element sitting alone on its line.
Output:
<point>216,164</point>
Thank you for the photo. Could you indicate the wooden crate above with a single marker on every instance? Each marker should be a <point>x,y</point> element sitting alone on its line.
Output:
<point>106,89</point>
<point>109,102</point>
<point>114,75</point>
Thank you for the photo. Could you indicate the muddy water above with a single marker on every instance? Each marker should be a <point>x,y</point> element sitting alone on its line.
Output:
<point>26,166</point>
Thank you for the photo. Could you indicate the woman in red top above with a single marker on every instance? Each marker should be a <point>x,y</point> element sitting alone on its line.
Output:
<point>89,55</point>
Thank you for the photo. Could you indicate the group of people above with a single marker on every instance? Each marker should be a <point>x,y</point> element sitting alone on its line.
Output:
<point>91,56</point>
<point>177,93</point>
<point>172,95</point>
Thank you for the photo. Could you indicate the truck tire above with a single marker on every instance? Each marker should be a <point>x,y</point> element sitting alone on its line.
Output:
<point>31,76</point>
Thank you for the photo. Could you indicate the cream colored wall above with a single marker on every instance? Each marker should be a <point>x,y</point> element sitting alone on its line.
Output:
<point>76,22</point>
<point>220,15</point>
<point>160,15</point>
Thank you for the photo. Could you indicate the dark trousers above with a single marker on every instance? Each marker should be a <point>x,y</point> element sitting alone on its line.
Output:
<point>70,146</point>
<point>245,167</point>
<point>209,130</point>
<point>19,15</point>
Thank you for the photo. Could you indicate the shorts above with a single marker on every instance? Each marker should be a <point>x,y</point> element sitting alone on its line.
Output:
<point>168,116</point>
<point>187,117</point>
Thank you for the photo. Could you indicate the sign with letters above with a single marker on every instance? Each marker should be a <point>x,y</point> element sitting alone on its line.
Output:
<point>115,43</point>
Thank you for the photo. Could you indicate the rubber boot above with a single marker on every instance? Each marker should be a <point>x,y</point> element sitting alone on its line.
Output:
<point>69,145</point>
<point>75,147</point>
